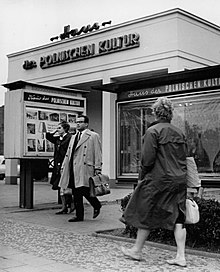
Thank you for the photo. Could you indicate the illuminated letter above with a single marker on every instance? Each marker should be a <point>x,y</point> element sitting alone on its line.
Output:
<point>135,38</point>
<point>126,40</point>
<point>72,53</point>
<point>77,50</point>
<point>49,59</point>
<point>73,32</point>
<point>102,48</point>
<point>66,32</point>
<point>91,49</point>
<point>42,62</point>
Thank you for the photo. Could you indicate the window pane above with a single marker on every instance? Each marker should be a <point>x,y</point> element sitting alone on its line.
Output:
<point>200,120</point>
<point>133,121</point>
<point>197,116</point>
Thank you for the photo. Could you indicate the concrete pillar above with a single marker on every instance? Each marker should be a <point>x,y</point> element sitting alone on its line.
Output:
<point>11,171</point>
<point>109,135</point>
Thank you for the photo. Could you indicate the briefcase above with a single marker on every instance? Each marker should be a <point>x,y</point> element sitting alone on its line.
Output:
<point>99,185</point>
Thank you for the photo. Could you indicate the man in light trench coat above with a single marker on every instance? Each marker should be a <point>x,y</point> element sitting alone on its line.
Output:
<point>82,161</point>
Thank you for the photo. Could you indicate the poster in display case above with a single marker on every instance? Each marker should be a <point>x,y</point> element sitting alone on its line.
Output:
<point>38,121</point>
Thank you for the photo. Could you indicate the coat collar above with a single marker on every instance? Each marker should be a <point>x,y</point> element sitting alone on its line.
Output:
<point>86,134</point>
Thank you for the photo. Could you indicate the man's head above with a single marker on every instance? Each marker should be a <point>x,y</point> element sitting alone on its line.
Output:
<point>82,122</point>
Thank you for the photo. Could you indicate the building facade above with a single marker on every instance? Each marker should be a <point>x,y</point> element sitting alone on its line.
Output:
<point>125,68</point>
<point>2,130</point>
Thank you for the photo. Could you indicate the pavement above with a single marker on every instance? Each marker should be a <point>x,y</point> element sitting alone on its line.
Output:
<point>37,240</point>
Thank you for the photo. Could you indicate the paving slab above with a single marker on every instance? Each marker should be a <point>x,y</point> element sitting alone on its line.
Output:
<point>39,241</point>
<point>85,252</point>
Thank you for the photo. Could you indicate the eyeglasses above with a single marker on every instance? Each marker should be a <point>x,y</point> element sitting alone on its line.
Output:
<point>59,127</point>
<point>80,122</point>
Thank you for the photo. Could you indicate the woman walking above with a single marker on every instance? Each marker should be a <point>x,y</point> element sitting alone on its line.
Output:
<point>159,199</point>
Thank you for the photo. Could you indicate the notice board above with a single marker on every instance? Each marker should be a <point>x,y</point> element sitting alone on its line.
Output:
<point>33,110</point>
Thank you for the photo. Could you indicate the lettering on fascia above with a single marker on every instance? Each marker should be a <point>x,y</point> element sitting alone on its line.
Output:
<point>119,43</point>
<point>107,46</point>
<point>29,64</point>
<point>172,88</point>
<point>68,33</point>
<point>67,55</point>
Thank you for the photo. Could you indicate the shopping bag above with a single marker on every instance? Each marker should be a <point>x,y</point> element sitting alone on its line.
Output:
<point>192,212</point>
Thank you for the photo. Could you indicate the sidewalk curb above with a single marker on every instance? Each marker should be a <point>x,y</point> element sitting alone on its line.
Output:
<point>51,206</point>
<point>156,245</point>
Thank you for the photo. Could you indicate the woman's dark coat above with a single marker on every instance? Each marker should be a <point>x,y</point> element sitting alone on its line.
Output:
<point>60,148</point>
<point>161,193</point>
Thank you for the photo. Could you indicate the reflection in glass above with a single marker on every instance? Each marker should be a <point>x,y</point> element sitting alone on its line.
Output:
<point>197,116</point>
<point>134,120</point>
<point>200,120</point>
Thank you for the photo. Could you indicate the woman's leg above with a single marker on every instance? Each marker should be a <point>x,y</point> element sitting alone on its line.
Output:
<point>64,207</point>
<point>142,235</point>
<point>135,251</point>
<point>180,237</point>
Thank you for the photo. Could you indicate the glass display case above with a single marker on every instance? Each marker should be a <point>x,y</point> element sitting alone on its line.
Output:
<point>198,116</point>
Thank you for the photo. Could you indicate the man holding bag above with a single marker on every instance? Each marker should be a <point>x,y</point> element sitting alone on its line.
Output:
<point>82,161</point>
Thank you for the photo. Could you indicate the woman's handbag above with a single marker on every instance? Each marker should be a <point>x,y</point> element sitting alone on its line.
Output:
<point>192,212</point>
<point>192,175</point>
<point>99,185</point>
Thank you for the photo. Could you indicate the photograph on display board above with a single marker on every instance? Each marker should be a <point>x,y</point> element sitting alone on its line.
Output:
<point>31,115</point>
<point>63,117</point>
<point>71,118</point>
<point>49,146</point>
<point>30,128</point>
<point>42,129</point>
<point>31,145</point>
<point>43,115</point>
<point>51,126</point>
<point>40,121</point>
<point>40,145</point>
<point>54,117</point>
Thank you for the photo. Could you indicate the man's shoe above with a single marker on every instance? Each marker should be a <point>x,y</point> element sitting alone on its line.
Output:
<point>131,254</point>
<point>75,219</point>
<point>96,213</point>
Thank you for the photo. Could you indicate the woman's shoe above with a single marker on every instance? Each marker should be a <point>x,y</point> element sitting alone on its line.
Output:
<point>181,263</point>
<point>63,211</point>
<point>122,220</point>
<point>72,208</point>
<point>131,254</point>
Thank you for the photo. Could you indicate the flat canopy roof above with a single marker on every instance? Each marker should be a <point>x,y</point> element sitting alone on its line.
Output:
<point>172,78</point>
<point>19,84</point>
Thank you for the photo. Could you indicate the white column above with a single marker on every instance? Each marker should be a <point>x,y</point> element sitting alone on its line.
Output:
<point>109,134</point>
<point>11,171</point>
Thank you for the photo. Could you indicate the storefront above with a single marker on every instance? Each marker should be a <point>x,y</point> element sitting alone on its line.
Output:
<point>196,98</point>
<point>124,68</point>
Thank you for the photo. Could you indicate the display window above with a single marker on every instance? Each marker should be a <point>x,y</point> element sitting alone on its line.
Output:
<point>197,115</point>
